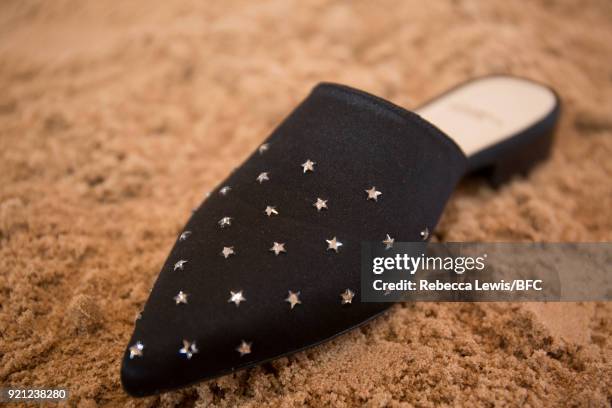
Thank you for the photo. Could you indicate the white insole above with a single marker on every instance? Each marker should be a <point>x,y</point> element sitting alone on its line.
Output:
<point>485,111</point>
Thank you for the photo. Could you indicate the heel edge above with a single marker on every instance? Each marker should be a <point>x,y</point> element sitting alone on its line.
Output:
<point>517,158</point>
<point>521,160</point>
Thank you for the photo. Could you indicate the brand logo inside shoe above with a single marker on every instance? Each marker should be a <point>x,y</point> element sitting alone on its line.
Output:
<point>477,113</point>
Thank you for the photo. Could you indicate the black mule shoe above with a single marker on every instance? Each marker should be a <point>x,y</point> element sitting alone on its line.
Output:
<point>269,264</point>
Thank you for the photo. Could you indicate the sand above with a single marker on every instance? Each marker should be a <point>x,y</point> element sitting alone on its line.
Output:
<point>115,120</point>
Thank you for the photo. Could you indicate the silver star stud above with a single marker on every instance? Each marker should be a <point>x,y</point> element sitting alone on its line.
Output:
<point>244,348</point>
<point>136,350</point>
<point>425,234</point>
<point>293,299</point>
<point>278,247</point>
<point>181,297</point>
<point>270,211</point>
<point>225,222</point>
<point>347,296</point>
<point>236,298</point>
<point>373,194</point>
<point>388,242</point>
<point>320,204</point>
<point>263,148</point>
<point>189,349</point>
<point>333,244</point>
<point>227,252</point>
<point>263,177</point>
<point>180,264</point>
<point>224,190</point>
<point>184,235</point>
<point>308,165</point>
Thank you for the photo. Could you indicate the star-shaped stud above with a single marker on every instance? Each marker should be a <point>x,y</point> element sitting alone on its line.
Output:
<point>270,211</point>
<point>263,148</point>
<point>333,244</point>
<point>180,264</point>
<point>373,194</point>
<point>225,222</point>
<point>227,252</point>
<point>388,242</point>
<point>293,299</point>
<point>181,297</point>
<point>278,247</point>
<point>244,348</point>
<point>320,204</point>
<point>184,235</point>
<point>425,234</point>
<point>308,165</point>
<point>224,190</point>
<point>263,177</point>
<point>189,349</point>
<point>236,297</point>
<point>347,296</point>
<point>136,350</point>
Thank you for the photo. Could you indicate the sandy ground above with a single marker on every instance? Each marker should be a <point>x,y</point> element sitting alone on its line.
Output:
<point>115,121</point>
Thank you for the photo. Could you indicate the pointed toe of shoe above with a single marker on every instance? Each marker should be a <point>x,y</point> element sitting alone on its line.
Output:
<point>136,380</point>
<point>150,372</point>
<point>169,362</point>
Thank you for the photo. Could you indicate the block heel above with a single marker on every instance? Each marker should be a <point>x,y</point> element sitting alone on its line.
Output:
<point>519,159</point>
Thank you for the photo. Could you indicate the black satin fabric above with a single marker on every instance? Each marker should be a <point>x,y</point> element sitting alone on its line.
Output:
<point>357,141</point>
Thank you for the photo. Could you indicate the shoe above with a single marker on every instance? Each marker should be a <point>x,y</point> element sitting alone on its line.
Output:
<point>269,264</point>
